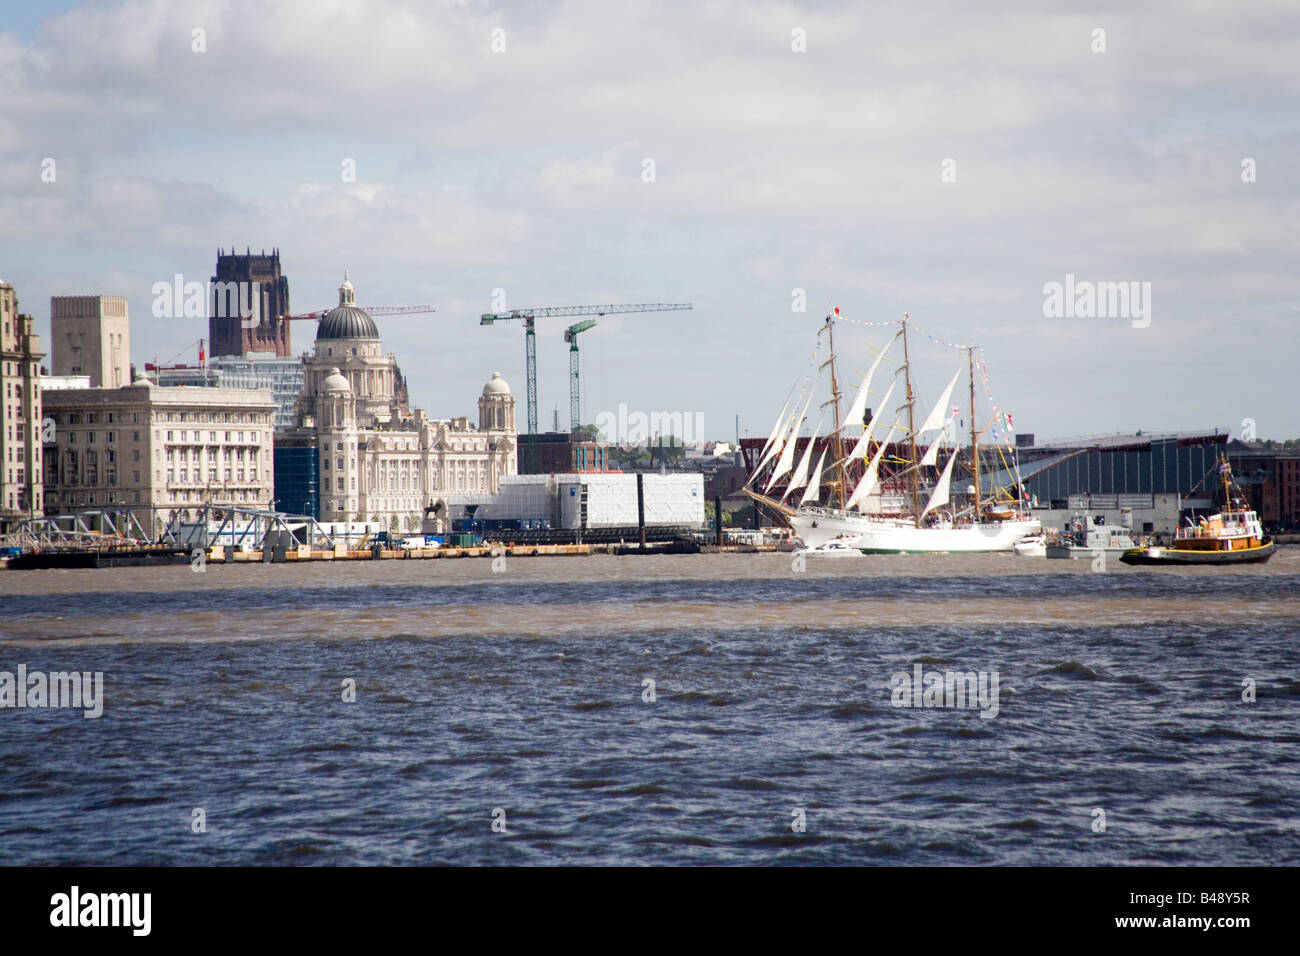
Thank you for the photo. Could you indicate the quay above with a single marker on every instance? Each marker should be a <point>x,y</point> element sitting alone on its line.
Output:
<point>218,554</point>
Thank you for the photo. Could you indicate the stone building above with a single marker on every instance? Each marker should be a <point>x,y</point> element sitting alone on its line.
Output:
<point>379,461</point>
<point>91,335</point>
<point>226,330</point>
<point>146,447</point>
<point>20,420</point>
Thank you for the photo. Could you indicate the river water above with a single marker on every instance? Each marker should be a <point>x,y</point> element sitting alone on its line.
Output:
<point>713,709</point>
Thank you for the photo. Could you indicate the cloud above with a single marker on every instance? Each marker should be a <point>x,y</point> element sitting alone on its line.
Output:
<point>773,170</point>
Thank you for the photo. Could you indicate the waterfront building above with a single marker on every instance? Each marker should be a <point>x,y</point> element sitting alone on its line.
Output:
<point>91,335</point>
<point>143,447</point>
<point>54,383</point>
<point>1270,478</point>
<point>558,452</point>
<point>21,495</point>
<point>1132,465</point>
<point>283,376</point>
<point>226,332</point>
<point>379,461</point>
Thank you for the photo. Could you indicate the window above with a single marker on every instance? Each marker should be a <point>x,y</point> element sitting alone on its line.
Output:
<point>90,438</point>
<point>340,484</point>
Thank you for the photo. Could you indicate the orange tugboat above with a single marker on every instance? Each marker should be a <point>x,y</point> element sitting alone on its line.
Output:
<point>1233,536</point>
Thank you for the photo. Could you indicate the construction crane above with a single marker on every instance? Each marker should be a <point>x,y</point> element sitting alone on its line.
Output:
<point>527,316</point>
<point>571,336</point>
<point>373,310</point>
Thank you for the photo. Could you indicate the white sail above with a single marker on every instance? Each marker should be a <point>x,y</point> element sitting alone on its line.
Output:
<point>801,473</point>
<point>931,456</point>
<point>860,448</point>
<point>815,484</point>
<point>869,483</point>
<point>940,494</point>
<point>778,446</point>
<point>859,406</point>
<point>776,443</point>
<point>776,430</point>
<point>938,416</point>
<point>786,461</point>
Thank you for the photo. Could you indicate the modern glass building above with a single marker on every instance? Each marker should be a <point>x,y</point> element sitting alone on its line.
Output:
<point>283,376</point>
<point>297,479</point>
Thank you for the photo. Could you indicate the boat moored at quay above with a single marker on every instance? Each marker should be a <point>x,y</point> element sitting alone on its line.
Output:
<point>887,496</point>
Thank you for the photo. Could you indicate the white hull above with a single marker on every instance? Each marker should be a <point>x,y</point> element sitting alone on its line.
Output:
<point>1032,547</point>
<point>834,550</point>
<point>1075,551</point>
<point>889,536</point>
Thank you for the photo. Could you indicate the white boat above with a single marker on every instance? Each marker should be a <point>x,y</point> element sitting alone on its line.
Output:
<point>1031,546</point>
<point>837,548</point>
<point>880,519</point>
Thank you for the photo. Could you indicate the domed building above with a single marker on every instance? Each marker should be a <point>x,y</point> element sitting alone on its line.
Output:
<point>381,463</point>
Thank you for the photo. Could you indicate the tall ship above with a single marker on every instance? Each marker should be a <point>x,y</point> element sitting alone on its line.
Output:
<point>1233,536</point>
<point>887,496</point>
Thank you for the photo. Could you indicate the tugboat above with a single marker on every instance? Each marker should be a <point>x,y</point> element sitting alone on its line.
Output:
<point>1233,536</point>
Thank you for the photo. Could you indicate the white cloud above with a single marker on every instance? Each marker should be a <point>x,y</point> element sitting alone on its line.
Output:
<point>775,169</point>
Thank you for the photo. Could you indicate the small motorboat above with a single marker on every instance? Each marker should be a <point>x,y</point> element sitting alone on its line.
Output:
<point>1031,546</point>
<point>837,548</point>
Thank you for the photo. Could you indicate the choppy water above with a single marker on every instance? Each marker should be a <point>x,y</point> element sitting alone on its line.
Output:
<point>523,690</point>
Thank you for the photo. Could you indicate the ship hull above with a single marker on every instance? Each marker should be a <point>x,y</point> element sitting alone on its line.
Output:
<point>1160,556</point>
<point>883,536</point>
<point>1076,551</point>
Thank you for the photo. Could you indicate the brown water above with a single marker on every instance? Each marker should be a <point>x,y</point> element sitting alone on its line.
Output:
<point>524,690</point>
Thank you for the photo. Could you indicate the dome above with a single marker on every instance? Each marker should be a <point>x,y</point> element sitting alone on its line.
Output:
<point>496,386</point>
<point>335,382</point>
<point>347,321</point>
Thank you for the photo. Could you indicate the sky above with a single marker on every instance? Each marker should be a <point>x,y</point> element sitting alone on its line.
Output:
<point>948,160</point>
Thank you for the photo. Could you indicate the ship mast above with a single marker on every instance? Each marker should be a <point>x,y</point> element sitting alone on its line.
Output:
<point>974,438</point>
<point>835,401</point>
<point>911,428</point>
